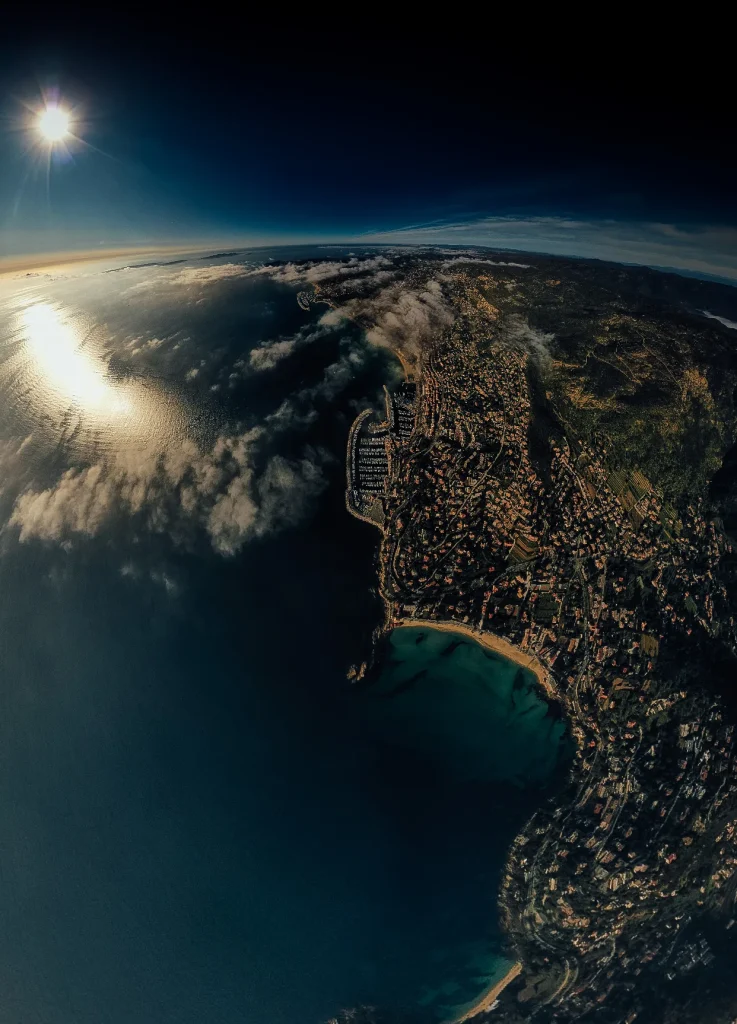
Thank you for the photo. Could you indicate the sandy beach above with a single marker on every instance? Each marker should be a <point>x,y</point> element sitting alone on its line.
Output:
<point>493,642</point>
<point>487,998</point>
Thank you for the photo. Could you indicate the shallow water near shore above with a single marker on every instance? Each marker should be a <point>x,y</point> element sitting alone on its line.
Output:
<point>478,713</point>
<point>477,726</point>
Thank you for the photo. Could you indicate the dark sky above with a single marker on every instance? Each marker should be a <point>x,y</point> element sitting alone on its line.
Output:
<point>253,131</point>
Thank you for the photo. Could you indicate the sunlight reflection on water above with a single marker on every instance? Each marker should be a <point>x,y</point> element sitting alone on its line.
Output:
<point>56,346</point>
<point>55,365</point>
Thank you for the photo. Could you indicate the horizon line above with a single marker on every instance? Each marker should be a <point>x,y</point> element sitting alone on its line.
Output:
<point>51,260</point>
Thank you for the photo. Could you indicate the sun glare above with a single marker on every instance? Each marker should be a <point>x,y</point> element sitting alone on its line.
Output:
<point>53,124</point>
<point>67,368</point>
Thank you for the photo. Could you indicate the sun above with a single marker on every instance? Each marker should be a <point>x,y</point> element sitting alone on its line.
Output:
<point>53,123</point>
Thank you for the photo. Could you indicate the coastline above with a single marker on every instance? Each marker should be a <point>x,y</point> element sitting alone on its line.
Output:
<point>489,997</point>
<point>491,641</point>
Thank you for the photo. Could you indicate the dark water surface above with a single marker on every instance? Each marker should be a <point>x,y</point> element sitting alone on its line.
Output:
<point>199,819</point>
<point>479,747</point>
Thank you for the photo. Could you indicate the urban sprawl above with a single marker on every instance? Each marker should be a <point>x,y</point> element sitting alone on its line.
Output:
<point>582,564</point>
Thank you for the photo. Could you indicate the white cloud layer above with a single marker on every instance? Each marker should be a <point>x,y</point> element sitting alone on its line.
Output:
<point>208,275</point>
<point>701,249</point>
<point>476,260</point>
<point>234,491</point>
<point>228,491</point>
<point>309,272</point>
<point>520,334</point>
<point>270,353</point>
<point>399,318</point>
<point>312,272</point>
<point>722,320</point>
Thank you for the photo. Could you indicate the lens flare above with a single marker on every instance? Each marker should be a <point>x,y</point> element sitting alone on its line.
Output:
<point>53,123</point>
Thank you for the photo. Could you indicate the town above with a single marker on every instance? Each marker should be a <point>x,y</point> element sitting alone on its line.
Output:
<point>552,543</point>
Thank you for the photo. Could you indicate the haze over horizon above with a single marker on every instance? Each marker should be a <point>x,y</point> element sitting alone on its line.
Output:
<point>204,144</point>
<point>706,253</point>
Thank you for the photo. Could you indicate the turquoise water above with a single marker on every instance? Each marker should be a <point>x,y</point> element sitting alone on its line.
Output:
<point>457,703</point>
<point>459,712</point>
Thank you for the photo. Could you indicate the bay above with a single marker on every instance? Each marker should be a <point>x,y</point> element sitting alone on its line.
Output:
<point>481,747</point>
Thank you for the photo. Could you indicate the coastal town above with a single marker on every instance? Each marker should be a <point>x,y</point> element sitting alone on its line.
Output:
<point>499,519</point>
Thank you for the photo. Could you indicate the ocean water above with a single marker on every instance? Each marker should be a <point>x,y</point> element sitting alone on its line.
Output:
<point>459,704</point>
<point>199,818</point>
<point>482,745</point>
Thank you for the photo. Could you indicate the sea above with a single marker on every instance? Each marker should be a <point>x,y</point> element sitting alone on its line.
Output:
<point>201,817</point>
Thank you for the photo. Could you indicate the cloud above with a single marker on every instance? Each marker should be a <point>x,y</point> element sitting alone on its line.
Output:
<point>78,503</point>
<point>186,279</point>
<point>164,578</point>
<point>316,272</point>
<point>279,498</point>
<point>267,355</point>
<point>300,409</point>
<point>520,334</point>
<point>141,346</point>
<point>722,320</point>
<point>400,318</point>
<point>485,262</point>
<point>233,491</point>
<point>702,249</point>
<point>306,272</point>
<point>369,292</point>
<point>198,276</point>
